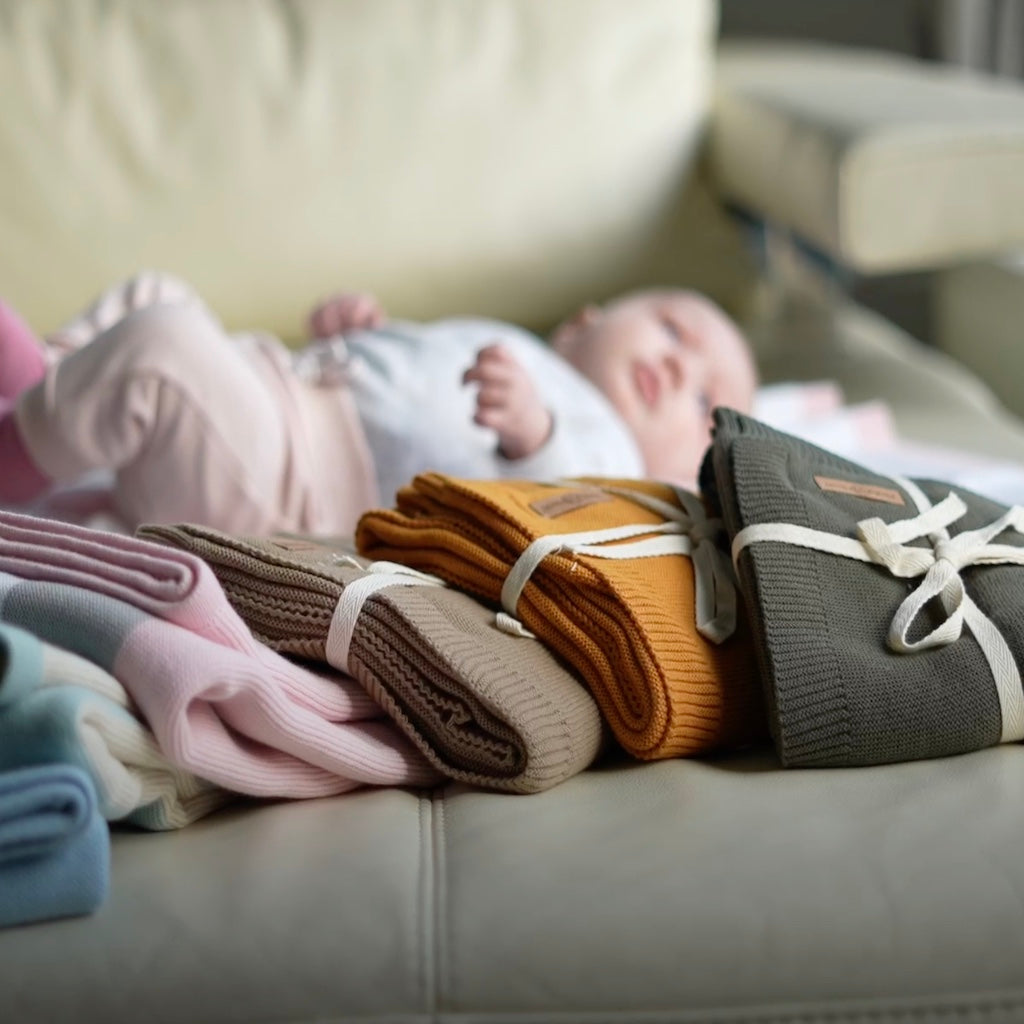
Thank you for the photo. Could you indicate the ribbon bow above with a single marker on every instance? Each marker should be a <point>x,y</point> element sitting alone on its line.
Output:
<point>885,544</point>
<point>940,565</point>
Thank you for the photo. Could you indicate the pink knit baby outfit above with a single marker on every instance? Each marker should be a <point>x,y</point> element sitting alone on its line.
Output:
<point>164,395</point>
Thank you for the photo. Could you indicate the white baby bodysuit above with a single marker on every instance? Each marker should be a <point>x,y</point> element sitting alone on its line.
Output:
<point>418,415</point>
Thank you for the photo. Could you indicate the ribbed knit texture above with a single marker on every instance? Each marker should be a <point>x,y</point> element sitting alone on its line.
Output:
<point>484,707</point>
<point>59,708</point>
<point>219,702</point>
<point>169,584</point>
<point>837,694</point>
<point>226,717</point>
<point>628,626</point>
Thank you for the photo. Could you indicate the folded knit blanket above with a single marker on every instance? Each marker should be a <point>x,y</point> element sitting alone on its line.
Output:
<point>171,585</point>
<point>58,708</point>
<point>886,612</point>
<point>622,579</point>
<point>484,707</point>
<point>205,685</point>
<point>54,845</point>
<point>226,716</point>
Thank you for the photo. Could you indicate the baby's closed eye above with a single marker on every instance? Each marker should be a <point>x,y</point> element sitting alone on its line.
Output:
<point>672,329</point>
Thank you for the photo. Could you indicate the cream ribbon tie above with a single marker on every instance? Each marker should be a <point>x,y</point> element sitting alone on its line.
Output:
<point>939,565</point>
<point>686,531</point>
<point>355,595</point>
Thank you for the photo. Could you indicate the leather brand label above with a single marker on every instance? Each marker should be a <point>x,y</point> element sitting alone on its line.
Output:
<point>568,501</point>
<point>295,544</point>
<point>872,492</point>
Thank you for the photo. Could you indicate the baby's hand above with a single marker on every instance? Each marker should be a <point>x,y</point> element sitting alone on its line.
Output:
<point>507,402</point>
<point>344,312</point>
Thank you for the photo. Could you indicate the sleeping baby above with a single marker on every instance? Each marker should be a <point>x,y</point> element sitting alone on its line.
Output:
<point>239,432</point>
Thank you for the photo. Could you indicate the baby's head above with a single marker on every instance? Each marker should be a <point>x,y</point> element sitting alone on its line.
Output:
<point>664,359</point>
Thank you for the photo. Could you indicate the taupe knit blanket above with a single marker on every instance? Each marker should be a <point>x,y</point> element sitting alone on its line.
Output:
<point>484,707</point>
<point>903,642</point>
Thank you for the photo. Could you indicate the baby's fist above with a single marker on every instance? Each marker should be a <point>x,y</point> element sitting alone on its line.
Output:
<point>508,403</point>
<point>345,312</point>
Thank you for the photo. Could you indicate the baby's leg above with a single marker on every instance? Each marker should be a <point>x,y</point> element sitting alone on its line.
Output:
<point>24,357</point>
<point>21,356</point>
<point>176,409</point>
<point>147,288</point>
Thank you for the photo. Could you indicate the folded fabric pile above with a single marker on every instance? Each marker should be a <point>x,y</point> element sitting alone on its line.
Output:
<point>220,704</point>
<point>886,612</point>
<point>484,707</point>
<point>59,708</point>
<point>622,579</point>
<point>54,845</point>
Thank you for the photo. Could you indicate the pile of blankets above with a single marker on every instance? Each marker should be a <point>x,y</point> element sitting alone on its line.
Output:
<point>625,580</point>
<point>499,633</point>
<point>122,663</point>
<point>481,706</point>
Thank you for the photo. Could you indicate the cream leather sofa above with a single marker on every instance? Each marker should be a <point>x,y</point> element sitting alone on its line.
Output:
<point>517,157</point>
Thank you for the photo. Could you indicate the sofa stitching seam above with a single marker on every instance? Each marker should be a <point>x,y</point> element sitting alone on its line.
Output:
<point>423,938</point>
<point>443,968</point>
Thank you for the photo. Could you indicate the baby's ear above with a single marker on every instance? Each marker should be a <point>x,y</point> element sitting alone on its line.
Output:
<point>568,330</point>
<point>586,316</point>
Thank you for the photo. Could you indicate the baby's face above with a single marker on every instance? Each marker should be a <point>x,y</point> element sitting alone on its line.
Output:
<point>664,360</point>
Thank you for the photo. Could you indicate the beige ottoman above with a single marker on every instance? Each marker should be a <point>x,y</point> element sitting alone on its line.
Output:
<point>979,319</point>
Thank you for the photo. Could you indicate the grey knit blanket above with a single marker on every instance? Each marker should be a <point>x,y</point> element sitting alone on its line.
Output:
<point>902,637</point>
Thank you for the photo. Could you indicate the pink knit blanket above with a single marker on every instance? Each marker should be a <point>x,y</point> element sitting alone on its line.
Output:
<point>219,702</point>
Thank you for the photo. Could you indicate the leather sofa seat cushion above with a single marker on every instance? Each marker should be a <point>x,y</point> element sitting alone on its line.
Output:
<point>726,890</point>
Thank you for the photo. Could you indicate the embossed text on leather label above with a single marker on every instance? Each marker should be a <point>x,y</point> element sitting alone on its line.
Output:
<point>568,501</point>
<point>872,492</point>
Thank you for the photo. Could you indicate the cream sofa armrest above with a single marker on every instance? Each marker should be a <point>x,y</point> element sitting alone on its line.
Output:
<point>886,163</point>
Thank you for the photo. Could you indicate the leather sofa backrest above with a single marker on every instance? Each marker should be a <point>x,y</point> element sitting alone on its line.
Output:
<point>504,157</point>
